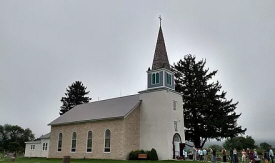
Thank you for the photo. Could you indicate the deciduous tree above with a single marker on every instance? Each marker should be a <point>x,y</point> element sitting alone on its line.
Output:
<point>216,147</point>
<point>240,143</point>
<point>265,145</point>
<point>13,137</point>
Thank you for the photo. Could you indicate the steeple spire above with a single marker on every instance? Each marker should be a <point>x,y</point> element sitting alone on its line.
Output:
<point>160,76</point>
<point>160,56</point>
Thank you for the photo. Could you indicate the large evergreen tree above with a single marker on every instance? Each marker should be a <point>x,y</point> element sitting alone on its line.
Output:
<point>207,113</point>
<point>75,95</point>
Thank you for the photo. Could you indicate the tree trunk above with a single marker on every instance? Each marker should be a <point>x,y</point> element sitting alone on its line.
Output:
<point>203,142</point>
<point>197,142</point>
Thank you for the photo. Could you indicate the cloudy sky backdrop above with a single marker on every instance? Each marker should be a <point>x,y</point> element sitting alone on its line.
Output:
<point>108,45</point>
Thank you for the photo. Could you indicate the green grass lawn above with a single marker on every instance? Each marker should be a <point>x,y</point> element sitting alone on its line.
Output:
<point>44,160</point>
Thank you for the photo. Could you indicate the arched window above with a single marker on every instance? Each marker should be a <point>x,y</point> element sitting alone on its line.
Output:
<point>107,147</point>
<point>89,141</point>
<point>73,142</point>
<point>59,146</point>
<point>177,138</point>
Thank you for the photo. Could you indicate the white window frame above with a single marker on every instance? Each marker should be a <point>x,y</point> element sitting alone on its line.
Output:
<point>46,146</point>
<point>43,147</point>
<point>72,142</point>
<point>170,79</point>
<point>87,142</point>
<point>58,142</point>
<point>155,73</point>
<point>33,147</point>
<point>105,142</point>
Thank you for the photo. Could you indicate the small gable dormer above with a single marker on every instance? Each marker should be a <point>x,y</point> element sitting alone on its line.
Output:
<point>160,76</point>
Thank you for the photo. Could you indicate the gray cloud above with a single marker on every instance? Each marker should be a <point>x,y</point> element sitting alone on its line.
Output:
<point>47,45</point>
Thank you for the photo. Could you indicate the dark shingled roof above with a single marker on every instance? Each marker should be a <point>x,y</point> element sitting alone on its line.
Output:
<point>160,56</point>
<point>99,110</point>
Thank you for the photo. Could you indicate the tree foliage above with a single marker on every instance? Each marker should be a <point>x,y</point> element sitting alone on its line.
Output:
<point>75,95</point>
<point>216,147</point>
<point>153,155</point>
<point>240,143</point>
<point>265,145</point>
<point>207,112</point>
<point>13,137</point>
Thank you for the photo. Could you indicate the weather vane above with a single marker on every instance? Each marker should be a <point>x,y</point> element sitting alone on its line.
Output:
<point>160,20</point>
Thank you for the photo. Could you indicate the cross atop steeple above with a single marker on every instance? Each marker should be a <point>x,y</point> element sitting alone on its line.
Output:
<point>160,20</point>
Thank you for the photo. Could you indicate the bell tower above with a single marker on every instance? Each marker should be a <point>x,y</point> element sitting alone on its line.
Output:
<point>161,109</point>
<point>160,76</point>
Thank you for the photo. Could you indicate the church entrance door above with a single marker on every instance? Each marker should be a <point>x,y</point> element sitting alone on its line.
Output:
<point>176,145</point>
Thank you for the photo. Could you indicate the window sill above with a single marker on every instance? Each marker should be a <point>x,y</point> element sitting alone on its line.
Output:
<point>154,84</point>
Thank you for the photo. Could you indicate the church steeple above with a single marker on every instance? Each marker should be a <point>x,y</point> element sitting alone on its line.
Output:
<point>160,76</point>
<point>160,56</point>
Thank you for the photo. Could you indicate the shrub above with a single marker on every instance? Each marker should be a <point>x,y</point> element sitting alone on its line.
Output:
<point>133,155</point>
<point>153,155</point>
<point>148,155</point>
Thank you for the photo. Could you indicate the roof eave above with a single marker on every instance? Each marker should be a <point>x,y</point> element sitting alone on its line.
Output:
<point>161,69</point>
<point>132,109</point>
<point>83,121</point>
<point>33,142</point>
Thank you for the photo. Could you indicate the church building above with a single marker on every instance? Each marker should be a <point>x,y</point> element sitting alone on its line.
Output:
<point>112,128</point>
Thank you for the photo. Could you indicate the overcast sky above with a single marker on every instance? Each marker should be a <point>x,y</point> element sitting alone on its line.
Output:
<point>108,45</point>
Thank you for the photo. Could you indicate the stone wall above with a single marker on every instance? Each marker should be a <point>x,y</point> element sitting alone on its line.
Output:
<point>124,138</point>
<point>98,128</point>
<point>132,135</point>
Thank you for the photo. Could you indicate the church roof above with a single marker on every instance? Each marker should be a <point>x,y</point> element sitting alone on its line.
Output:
<point>160,56</point>
<point>47,136</point>
<point>99,110</point>
<point>33,142</point>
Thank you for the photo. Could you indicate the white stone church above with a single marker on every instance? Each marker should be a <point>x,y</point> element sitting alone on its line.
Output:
<point>110,129</point>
